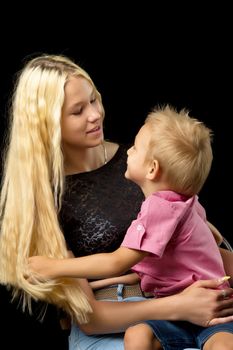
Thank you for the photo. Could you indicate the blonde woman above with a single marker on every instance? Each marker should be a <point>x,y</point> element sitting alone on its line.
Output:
<point>61,176</point>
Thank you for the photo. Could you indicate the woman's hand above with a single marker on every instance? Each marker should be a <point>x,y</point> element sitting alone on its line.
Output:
<point>203,304</point>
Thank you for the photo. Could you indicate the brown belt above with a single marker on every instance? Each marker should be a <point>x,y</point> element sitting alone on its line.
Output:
<point>133,290</point>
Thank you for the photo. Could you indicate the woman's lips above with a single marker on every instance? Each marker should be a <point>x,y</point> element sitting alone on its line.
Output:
<point>95,132</point>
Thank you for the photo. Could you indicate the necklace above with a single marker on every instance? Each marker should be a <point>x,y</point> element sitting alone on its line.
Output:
<point>105,153</point>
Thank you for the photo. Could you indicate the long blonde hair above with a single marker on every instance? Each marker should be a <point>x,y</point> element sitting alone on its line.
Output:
<point>33,184</point>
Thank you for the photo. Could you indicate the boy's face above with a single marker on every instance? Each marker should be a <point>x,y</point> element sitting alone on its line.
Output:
<point>137,164</point>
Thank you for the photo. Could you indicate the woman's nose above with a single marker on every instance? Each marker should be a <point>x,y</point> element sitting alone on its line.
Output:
<point>93,113</point>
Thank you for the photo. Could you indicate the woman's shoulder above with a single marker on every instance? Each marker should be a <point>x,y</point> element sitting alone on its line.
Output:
<point>111,149</point>
<point>116,149</point>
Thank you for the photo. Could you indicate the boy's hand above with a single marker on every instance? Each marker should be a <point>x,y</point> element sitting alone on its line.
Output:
<point>41,267</point>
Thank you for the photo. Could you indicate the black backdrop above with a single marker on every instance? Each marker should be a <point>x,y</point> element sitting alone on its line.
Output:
<point>136,61</point>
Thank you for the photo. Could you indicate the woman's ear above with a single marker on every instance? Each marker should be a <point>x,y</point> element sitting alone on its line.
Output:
<point>153,170</point>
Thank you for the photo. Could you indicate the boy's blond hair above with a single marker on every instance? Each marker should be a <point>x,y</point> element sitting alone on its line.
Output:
<point>182,145</point>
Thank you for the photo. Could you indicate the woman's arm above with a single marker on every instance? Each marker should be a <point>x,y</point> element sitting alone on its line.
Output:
<point>227,258</point>
<point>217,235</point>
<point>198,304</point>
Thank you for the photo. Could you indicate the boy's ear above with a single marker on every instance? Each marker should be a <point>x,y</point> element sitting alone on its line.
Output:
<point>153,170</point>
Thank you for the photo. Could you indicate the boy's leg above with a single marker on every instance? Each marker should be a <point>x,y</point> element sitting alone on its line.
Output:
<point>221,340</point>
<point>173,335</point>
<point>141,337</point>
<point>215,337</point>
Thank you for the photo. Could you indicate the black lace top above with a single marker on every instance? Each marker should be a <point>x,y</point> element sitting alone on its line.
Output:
<point>99,206</point>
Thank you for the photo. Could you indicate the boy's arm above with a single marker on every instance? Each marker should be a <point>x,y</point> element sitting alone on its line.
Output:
<point>92,266</point>
<point>130,278</point>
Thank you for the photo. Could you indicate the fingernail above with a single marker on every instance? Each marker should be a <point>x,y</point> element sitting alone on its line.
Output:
<point>224,278</point>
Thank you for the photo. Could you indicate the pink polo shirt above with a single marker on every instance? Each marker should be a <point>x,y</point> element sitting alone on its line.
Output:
<point>182,248</point>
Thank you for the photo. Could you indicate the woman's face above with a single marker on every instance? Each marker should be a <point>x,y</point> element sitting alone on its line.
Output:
<point>82,115</point>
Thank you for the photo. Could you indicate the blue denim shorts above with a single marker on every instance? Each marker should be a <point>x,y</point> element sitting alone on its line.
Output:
<point>180,334</point>
<point>80,341</point>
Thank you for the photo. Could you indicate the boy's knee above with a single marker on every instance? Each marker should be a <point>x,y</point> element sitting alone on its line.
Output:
<point>138,337</point>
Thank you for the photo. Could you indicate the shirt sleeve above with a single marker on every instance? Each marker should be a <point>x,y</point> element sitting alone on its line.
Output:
<point>154,226</point>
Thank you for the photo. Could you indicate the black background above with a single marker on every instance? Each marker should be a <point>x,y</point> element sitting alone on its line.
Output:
<point>139,57</point>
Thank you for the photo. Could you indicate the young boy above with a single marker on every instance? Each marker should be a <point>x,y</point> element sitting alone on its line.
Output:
<point>169,245</point>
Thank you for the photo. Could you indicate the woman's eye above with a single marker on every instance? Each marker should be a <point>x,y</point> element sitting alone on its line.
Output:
<point>77,112</point>
<point>93,100</point>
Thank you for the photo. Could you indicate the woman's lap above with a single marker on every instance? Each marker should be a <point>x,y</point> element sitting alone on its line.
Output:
<point>80,341</point>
